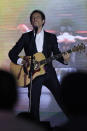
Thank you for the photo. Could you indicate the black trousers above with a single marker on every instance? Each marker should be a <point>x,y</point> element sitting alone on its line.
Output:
<point>51,82</point>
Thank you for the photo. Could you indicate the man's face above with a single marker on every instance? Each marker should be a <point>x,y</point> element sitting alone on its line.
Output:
<point>37,20</point>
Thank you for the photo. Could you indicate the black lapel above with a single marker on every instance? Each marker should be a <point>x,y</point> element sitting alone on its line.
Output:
<point>33,48</point>
<point>45,44</point>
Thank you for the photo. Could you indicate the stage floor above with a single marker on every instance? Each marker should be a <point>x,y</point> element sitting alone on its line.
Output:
<point>49,110</point>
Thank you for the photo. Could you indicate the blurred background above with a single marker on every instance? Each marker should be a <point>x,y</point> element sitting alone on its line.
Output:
<point>65,18</point>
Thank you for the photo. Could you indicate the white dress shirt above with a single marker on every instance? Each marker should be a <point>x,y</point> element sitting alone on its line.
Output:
<point>39,41</point>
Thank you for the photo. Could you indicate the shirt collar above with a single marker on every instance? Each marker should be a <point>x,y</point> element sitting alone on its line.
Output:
<point>40,33</point>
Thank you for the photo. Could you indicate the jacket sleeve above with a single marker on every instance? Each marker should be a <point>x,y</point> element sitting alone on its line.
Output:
<point>56,50</point>
<point>17,48</point>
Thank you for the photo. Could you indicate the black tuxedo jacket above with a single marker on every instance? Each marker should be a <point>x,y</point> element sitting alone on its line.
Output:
<point>27,42</point>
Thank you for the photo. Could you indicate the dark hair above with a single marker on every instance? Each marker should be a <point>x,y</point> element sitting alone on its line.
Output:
<point>8,90</point>
<point>73,93</point>
<point>37,11</point>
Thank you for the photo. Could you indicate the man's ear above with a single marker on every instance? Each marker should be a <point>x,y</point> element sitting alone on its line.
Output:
<point>43,21</point>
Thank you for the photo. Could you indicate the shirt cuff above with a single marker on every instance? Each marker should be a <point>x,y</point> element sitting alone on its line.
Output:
<point>66,62</point>
<point>19,61</point>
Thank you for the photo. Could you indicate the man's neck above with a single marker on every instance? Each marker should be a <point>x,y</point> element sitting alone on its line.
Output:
<point>39,30</point>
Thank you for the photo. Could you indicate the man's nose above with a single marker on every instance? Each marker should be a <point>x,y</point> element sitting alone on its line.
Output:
<point>35,18</point>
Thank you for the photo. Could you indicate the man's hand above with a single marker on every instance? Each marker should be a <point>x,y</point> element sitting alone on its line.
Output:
<point>26,61</point>
<point>66,57</point>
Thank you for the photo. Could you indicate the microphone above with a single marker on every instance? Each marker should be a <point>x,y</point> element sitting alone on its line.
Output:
<point>35,29</point>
